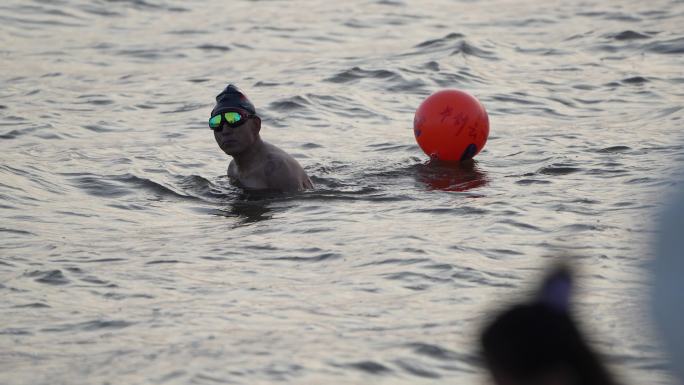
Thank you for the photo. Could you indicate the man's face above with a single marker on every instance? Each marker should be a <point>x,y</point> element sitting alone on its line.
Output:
<point>235,140</point>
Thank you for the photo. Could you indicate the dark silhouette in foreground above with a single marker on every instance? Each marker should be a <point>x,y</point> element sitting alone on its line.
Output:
<point>539,343</point>
<point>667,272</point>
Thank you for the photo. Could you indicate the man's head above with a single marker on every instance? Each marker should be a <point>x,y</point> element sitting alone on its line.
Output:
<point>234,121</point>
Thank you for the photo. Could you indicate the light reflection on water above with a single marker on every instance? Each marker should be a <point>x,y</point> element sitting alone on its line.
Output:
<point>449,177</point>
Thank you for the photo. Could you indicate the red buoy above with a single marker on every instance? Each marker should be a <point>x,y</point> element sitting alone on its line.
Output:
<point>451,125</point>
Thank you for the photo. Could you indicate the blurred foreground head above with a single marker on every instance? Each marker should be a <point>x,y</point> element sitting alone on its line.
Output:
<point>668,282</point>
<point>539,343</point>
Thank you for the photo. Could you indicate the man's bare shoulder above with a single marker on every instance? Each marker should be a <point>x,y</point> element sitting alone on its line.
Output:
<point>283,171</point>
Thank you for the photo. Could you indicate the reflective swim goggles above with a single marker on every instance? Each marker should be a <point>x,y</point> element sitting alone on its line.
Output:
<point>231,118</point>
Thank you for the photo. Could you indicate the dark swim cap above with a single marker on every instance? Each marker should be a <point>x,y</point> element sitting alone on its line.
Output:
<point>232,97</point>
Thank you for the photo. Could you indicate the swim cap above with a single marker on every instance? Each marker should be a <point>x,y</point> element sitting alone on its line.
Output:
<point>232,97</point>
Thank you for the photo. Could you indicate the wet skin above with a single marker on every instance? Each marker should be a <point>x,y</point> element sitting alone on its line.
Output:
<point>258,165</point>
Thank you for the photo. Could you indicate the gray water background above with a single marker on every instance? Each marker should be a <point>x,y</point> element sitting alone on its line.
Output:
<point>126,257</point>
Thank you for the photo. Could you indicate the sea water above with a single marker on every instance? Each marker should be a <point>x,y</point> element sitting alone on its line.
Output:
<point>126,257</point>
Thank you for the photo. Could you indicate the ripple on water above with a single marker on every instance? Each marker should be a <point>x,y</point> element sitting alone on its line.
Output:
<point>316,258</point>
<point>289,104</point>
<point>104,260</point>
<point>213,47</point>
<point>95,325</point>
<point>97,128</point>
<point>468,49</point>
<point>396,261</point>
<point>433,351</point>
<point>186,107</point>
<point>370,367</point>
<point>629,35</point>
<point>517,98</point>
<point>417,369</point>
<point>121,185</point>
<point>8,264</point>
<point>15,332</point>
<point>528,182</point>
<point>453,44</point>
<point>49,277</point>
<point>357,73</point>
<point>15,231</point>
<point>614,149</point>
<point>165,262</point>
<point>417,281</point>
<point>617,16</point>
<point>342,106</point>
<point>668,47</point>
<point>635,80</point>
<point>34,305</point>
<point>441,42</point>
<point>558,169</point>
<point>478,278</point>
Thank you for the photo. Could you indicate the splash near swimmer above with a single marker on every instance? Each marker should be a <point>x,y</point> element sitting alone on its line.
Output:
<point>451,125</point>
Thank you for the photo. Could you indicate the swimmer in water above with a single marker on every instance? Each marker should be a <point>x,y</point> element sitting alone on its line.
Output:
<point>256,165</point>
<point>540,343</point>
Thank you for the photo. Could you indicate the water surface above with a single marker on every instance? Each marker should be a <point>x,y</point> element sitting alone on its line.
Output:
<point>127,257</point>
